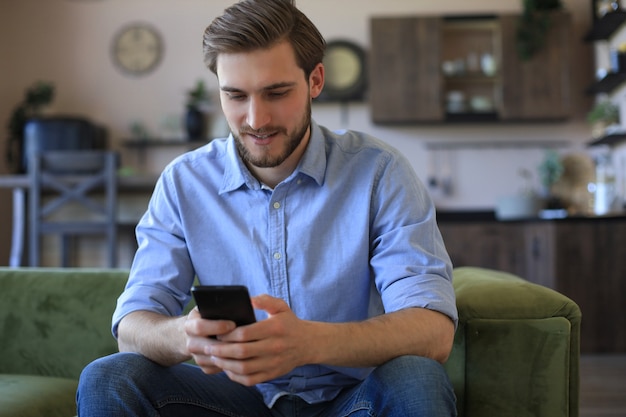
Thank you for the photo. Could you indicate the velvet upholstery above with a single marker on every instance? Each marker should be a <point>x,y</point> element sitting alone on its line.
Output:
<point>515,351</point>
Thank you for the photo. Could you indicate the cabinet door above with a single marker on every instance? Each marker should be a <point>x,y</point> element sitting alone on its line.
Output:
<point>406,80</point>
<point>494,245</point>
<point>591,268</point>
<point>539,253</point>
<point>540,87</point>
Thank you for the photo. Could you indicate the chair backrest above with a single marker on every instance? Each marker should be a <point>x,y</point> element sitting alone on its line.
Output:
<point>72,181</point>
<point>61,133</point>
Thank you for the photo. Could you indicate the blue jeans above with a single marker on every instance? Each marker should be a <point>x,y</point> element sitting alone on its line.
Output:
<point>127,384</point>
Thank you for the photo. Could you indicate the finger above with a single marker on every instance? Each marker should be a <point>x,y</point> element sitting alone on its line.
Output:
<point>206,364</point>
<point>196,326</point>
<point>247,380</point>
<point>271,305</point>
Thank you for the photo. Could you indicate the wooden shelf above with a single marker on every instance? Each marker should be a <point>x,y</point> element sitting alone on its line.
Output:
<point>149,142</point>
<point>607,84</point>
<point>606,26</point>
<point>472,117</point>
<point>611,140</point>
<point>472,77</point>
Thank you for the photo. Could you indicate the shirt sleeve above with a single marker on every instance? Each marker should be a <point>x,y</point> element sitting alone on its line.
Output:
<point>162,273</point>
<point>409,260</point>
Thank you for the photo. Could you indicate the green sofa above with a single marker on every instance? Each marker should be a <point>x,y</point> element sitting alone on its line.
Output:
<point>516,351</point>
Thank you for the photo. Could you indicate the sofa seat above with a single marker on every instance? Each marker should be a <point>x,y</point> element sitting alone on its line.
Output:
<point>515,353</point>
<point>36,396</point>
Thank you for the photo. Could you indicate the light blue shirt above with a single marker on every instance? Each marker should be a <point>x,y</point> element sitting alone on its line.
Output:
<point>351,234</point>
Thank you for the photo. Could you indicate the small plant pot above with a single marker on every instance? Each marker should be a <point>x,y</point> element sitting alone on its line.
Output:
<point>195,124</point>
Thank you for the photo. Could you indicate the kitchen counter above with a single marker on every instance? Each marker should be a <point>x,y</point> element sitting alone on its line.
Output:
<point>447,215</point>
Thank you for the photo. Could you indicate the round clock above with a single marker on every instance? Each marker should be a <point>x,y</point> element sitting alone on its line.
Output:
<point>345,72</point>
<point>137,49</point>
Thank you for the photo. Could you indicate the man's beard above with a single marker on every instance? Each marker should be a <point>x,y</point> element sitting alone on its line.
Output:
<point>269,161</point>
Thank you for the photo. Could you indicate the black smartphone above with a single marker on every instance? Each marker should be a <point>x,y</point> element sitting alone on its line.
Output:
<point>224,302</point>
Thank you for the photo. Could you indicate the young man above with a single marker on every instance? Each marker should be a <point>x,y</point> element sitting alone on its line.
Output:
<point>332,233</point>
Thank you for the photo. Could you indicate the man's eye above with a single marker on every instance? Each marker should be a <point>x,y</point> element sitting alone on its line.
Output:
<point>237,97</point>
<point>277,94</point>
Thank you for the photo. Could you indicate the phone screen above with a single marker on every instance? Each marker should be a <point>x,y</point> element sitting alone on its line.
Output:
<point>224,302</point>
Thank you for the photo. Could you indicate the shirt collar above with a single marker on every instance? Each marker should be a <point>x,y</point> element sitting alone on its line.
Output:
<point>312,164</point>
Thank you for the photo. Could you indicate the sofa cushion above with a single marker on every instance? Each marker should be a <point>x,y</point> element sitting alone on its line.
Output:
<point>37,396</point>
<point>53,322</point>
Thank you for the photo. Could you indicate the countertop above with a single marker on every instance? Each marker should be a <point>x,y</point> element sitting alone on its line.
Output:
<point>451,215</point>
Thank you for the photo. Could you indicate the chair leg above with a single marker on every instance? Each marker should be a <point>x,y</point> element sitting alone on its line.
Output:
<point>112,244</point>
<point>65,250</point>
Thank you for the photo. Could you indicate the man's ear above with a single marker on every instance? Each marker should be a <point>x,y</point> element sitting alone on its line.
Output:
<point>316,80</point>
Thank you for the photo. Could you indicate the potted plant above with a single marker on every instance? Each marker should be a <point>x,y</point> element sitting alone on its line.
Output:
<point>550,170</point>
<point>534,25</point>
<point>36,97</point>
<point>603,114</point>
<point>198,99</point>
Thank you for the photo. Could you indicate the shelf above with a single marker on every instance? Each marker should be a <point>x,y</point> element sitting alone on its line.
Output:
<point>497,144</point>
<point>149,142</point>
<point>606,26</point>
<point>472,117</point>
<point>472,77</point>
<point>610,140</point>
<point>607,84</point>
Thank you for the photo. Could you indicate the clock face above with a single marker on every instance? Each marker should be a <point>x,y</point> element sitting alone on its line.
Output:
<point>343,67</point>
<point>137,49</point>
<point>345,77</point>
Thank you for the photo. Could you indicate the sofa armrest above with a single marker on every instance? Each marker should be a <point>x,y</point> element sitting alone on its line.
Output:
<point>516,350</point>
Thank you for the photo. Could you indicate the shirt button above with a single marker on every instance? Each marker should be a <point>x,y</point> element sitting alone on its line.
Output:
<point>276,205</point>
<point>276,255</point>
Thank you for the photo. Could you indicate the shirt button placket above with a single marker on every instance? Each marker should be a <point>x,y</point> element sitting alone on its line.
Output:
<point>277,237</point>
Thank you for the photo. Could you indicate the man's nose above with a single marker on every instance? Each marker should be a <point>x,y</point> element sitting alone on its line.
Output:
<point>258,114</point>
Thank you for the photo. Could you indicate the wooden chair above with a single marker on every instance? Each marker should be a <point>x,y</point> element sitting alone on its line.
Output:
<point>72,180</point>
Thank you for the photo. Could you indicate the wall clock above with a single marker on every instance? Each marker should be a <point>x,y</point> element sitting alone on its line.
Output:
<point>345,72</point>
<point>137,49</point>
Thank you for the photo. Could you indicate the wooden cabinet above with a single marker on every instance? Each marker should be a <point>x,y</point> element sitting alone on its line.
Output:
<point>420,66</point>
<point>405,75</point>
<point>540,87</point>
<point>486,244</point>
<point>581,258</point>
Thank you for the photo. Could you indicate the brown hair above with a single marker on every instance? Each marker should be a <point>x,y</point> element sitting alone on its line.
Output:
<point>260,24</point>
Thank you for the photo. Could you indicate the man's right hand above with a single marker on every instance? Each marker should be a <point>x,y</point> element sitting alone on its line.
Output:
<point>201,334</point>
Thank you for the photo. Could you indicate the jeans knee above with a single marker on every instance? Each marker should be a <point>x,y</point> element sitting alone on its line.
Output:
<point>411,368</point>
<point>417,383</point>
<point>108,385</point>
<point>113,372</point>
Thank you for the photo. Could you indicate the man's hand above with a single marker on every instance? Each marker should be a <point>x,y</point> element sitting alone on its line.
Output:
<point>254,353</point>
<point>273,347</point>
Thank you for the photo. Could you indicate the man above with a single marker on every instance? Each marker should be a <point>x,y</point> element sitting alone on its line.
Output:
<point>332,233</point>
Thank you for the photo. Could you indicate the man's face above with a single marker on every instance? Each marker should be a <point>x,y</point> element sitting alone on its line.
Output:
<point>267,103</point>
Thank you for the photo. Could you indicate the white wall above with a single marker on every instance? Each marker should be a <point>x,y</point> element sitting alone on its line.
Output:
<point>68,42</point>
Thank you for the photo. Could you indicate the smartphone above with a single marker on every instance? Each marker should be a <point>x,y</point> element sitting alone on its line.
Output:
<point>224,302</point>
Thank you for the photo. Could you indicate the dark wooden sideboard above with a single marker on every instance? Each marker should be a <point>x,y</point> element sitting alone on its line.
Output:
<point>582,257</point>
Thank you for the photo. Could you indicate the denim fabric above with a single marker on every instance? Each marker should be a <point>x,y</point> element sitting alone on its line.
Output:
<point>127,384</point>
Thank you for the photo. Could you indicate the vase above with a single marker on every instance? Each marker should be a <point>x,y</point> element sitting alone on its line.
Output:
<point>195,124</point>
